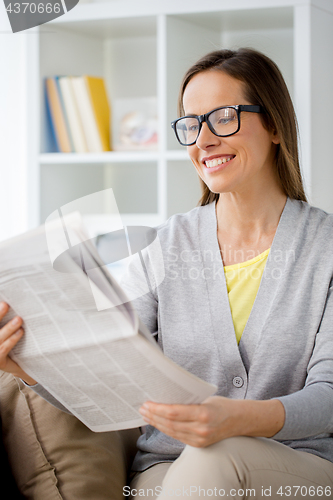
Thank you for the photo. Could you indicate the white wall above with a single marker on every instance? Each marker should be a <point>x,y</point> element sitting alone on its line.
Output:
<point>14,140</point>
<point>322,109</point>
<point>12,133</point>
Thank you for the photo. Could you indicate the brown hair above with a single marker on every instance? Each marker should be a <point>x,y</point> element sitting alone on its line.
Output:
<point>264,86</point>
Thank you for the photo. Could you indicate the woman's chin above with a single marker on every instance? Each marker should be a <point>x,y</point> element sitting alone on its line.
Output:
<point>218,188</point>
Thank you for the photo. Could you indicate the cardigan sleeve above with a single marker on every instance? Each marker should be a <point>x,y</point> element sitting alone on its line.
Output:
<point>139,283</point>
<point>41,391</point>
<point>309,412</point>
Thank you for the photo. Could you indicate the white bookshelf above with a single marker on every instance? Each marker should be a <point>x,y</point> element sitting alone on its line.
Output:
<point>142,49</point>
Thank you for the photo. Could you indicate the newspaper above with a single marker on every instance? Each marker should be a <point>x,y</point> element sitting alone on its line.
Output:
<point>83,339</point>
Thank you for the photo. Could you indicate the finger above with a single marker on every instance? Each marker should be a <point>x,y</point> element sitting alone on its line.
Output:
<point>187,435</point>
<point>6,363</point>
<point>4,308</point>
<point>182,413</point>
<point>10,328</point>
<point>164,425</point>
<point>170,425</point>
<point>7,345</point>
<point>198,427</point>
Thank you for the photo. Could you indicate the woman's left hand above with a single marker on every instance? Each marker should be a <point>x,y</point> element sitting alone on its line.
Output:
<point>215,419</point>
<point>198,425</point>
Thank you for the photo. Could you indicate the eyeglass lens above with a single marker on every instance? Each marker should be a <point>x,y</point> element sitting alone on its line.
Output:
<point>223,121</point>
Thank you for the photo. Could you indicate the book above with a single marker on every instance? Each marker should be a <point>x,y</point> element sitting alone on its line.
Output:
<point>62,103</point>
<point>94,109</point>
<point>101,108</point>
<point>61,133</point>
<point>73,116</point>
<point>84,342</point>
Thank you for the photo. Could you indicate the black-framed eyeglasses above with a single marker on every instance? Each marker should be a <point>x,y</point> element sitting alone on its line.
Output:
<point>223,122</point>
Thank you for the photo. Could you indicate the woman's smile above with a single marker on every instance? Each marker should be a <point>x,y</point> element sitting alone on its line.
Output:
<point>212,162</point>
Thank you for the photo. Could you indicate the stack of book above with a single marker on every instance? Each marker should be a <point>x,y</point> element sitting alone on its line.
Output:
<point>79,113</point>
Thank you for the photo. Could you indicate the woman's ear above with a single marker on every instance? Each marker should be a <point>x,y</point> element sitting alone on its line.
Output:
<point>275,137</point>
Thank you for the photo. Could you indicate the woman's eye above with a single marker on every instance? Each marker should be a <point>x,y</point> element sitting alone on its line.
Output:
<point>193,128</point>
<point>225,120</point>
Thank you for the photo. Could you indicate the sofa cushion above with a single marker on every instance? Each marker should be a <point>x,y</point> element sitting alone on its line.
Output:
<point>8,485</point>
<point>53,455</point>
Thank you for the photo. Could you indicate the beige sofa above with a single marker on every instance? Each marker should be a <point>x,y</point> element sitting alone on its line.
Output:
<point>53,456</point>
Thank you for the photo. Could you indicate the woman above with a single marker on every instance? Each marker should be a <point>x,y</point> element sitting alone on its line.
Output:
<point>269,349</point>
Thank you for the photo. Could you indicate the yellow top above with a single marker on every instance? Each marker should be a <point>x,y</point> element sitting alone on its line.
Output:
<point>243,282</point>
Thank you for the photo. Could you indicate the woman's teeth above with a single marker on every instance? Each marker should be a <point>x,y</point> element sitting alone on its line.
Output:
<point>218,161</point>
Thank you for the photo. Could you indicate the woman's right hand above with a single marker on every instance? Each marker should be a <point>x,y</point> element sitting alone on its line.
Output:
<point>10,334</point>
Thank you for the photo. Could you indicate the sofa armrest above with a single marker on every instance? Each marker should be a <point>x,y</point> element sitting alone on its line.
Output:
<point>53,455</point>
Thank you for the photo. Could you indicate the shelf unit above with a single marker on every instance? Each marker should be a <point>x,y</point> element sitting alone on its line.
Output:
<point>142,49</point>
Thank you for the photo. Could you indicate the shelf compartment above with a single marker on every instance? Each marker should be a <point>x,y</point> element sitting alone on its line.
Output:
<point>134,185</point>
<point>106,53</point>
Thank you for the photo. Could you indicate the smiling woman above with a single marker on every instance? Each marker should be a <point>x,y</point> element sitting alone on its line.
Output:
<point>266,427</point>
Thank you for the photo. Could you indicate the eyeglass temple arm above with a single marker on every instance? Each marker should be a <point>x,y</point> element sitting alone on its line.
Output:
<point>251,108</point>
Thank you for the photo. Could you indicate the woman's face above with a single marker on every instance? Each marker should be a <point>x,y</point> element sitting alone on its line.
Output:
<point>249,153</point>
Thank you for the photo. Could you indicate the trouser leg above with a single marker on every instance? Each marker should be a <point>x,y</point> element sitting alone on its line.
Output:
<point>245,467</point>
<point>148,484</point>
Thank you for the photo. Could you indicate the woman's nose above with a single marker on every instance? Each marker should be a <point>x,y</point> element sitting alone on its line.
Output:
<point>206,138</point>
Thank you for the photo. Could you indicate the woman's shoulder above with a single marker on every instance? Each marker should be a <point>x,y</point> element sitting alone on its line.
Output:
<point>310,225</point>
<point>312,214</point>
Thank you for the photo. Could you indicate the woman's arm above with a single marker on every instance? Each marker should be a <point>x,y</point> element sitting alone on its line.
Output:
<point>309,412</point>
<point>305,413</point>
<point>302,414</point>
<point>41,391</point>
<point>10,334</point>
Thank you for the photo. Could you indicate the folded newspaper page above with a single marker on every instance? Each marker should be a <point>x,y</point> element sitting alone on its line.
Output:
<point>83,340</point>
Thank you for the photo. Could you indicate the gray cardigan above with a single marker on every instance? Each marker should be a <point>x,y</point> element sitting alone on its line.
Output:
<point>286,350</point>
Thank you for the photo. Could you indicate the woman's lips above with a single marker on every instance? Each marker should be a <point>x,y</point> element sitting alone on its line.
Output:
<point>217,162</point>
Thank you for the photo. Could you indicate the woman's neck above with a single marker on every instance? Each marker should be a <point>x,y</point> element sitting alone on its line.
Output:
<point>250,217</point>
